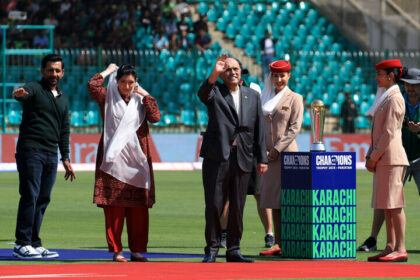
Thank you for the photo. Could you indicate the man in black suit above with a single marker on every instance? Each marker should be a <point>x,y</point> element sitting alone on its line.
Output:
<point>235,124</point>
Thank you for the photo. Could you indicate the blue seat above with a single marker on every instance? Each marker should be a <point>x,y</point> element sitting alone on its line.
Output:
<point>356,98</point>
<point>230,31</point>
<point>173,107</point>
<point>187,117</point>
<point>335,109</point>
<point>347,87</point>
<point>14,113</point>
<point>336,47</point>
<point>186,88</point>
<point>340,98</point>
<point>221,24</point>
<point>226,16</point>
<point>202,117</point>
<point>290,7</point>
<point>180,57</point>
<point>362,122</point>
<point>203,7</point>
<point>326,99</point>
<point>306,119</point>
<point>304,6</point>
<point>170,119</point>
<point>92,117</point>
<point>237,21</point>
<point>309,97</point>
<point>249,49</point>
<point>232,8</point>
<point>260,8</point>
<point>275,6</point>
<point>164,54</point>
<point>170,64</point>
<point>364,106</point>
<point>77,119</point>
<point>212,15</point>
<point>239,41</point>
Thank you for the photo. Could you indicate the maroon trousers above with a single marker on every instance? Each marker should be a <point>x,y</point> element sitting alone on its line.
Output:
<point>137,227</point>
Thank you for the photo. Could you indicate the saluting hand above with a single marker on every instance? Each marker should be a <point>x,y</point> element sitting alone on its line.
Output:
<point>220,66</point>
<point>218,69</point>
<point>20,92</point>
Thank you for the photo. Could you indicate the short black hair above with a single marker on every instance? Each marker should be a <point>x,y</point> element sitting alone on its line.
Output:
<point>52,57</point>
<point>126,69</point>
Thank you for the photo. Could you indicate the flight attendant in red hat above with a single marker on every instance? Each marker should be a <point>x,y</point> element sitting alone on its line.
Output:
<point>283,115</point>
<point>386,158</point>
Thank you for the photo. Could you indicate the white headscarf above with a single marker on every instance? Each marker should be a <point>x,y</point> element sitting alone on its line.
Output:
<point>269,99</point>
<point>381,94</point>
<point>123,156</point>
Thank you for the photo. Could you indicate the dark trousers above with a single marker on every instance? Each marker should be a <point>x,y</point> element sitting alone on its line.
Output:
<point>222,180</point>
<point>348,126</point>
<point>37,172</point>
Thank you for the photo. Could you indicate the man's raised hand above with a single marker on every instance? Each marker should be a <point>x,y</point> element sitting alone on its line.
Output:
<point>219,68</point>
<point>20,92</point>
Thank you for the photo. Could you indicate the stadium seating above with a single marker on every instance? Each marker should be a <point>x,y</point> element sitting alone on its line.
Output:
<point>14,114</point>
<point>325,64</point>
<point>314,45</point>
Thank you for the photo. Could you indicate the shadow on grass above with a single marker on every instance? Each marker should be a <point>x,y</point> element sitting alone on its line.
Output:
<point>174,247</point>
<point>95,248</point>
<point>413,251</point>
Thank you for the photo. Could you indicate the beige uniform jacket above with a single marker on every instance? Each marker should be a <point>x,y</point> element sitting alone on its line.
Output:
<point>281,129</point>
<point>283,125</point>
<point>386,147</point>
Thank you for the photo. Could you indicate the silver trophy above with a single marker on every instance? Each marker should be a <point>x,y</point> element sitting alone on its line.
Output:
<point>317,125</point>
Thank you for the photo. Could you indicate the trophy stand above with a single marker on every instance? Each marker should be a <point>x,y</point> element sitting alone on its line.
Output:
<point>317,125</point>
<point>318,199</point>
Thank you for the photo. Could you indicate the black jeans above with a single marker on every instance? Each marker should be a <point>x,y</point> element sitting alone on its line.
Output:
<point>37,173</point>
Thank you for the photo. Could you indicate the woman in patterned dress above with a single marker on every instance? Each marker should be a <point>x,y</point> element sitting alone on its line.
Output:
<point>124,183</point>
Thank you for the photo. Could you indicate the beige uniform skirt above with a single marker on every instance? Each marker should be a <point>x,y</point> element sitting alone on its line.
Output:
<point>388,191</point>
<point>271,186</point>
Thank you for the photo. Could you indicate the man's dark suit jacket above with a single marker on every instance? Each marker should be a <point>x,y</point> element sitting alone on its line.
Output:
<point>224,125</point>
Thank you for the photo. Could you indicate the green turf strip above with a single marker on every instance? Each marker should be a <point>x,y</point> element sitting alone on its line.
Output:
<point>177,219</point>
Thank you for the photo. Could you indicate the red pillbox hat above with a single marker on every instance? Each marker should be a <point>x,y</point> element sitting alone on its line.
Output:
<point>390,63</point>
<point>280,66</point>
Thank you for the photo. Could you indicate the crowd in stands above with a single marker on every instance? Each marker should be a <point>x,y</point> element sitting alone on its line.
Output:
<point>110,24</point>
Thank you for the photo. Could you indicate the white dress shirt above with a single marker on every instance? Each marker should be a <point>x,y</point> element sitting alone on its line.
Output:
<point>237,101</point>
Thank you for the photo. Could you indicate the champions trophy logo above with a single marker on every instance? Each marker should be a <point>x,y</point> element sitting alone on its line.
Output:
<point>317,125</point>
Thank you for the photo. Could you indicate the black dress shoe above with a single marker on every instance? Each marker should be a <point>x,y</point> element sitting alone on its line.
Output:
<point>209,258</point>
<point>238,258</point>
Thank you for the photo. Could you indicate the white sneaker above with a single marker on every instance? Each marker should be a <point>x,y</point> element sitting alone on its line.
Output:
<point>26,252</point>
<point>45,253</point>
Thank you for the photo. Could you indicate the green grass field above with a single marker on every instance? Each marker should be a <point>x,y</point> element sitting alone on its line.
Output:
<point>176,220</point>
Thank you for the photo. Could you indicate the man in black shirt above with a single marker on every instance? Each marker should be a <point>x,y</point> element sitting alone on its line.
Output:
<point>44,128</point>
